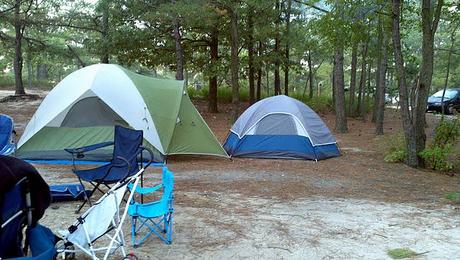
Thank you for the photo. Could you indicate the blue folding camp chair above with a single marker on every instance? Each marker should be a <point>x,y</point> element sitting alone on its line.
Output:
<point>24,197</point>
<point>7,142</point>
<point>156,216</point>
<point>127,147</point>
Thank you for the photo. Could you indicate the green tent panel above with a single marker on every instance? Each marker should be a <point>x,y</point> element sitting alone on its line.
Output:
<point>83,108</point>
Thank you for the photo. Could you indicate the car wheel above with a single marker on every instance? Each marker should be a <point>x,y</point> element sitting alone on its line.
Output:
<point>449,110</point>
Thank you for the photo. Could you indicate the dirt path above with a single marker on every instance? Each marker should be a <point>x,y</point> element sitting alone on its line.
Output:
<point>352,207</point>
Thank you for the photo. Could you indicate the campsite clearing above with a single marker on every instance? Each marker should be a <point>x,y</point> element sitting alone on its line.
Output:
<point>354,206</point>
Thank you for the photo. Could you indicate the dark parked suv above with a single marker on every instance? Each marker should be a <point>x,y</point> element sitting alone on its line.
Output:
<point>451,101</point>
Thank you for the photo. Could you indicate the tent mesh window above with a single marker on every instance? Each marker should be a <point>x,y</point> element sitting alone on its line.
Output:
<point>95,111</point>
<point>276,124</point>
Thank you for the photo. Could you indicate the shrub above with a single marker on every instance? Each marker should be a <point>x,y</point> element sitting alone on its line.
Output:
<point>436,157</point>
<point>438,153</point>
<point>394,148</point>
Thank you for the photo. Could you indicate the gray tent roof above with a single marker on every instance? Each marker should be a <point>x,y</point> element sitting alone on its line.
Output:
<point>315,127</point>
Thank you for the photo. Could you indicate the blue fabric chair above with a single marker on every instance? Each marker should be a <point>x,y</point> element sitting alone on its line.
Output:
<point>7,143</point>
<point>42,244</point>
<point>154,216</point>
<point>127,147</point>
<point>24,197</point>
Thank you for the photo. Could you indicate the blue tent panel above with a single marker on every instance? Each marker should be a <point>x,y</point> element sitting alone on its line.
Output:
<point>278,146</point>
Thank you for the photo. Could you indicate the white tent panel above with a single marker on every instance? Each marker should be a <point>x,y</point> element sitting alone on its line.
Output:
<point>124,98</point>
<point>66,92</point>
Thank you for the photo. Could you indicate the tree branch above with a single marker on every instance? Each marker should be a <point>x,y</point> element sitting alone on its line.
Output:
<point>437,16</point>
<point>312,6</point>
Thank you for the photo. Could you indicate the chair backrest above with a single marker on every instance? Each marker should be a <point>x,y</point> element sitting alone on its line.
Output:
<point>6,130</point>
<point>168,187</point>
<point>126,143</point>
<point>12,202</point>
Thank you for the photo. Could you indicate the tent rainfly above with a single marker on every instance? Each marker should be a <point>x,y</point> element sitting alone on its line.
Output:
<point>83,108</point>
<point>281,127</point>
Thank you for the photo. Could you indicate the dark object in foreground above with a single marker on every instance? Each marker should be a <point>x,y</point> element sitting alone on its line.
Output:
<point>24,197</point>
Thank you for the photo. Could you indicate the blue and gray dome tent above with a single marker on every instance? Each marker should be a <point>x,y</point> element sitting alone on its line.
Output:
<point>281,127</point>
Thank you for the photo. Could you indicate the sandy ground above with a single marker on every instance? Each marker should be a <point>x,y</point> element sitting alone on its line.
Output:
<point>352,207</point>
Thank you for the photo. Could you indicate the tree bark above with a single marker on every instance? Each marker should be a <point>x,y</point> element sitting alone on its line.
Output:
<point>251,54</point>
<point>178,47</point>
<point>429,27</point>
<point>381,77</point>
<point>214,46</point>
<point>29,69</point>
<point>287,62</point>
<point>276,51</point>
<point>449,59</point>
<point>408,127</point>
<point>354,63</point>
<point>259,74</point>
<point>310,75</point>
<point>362,81</point>
<point>339,93</point>
<point>18,60</point>
<point>234,63</point>
<point>105,31</point>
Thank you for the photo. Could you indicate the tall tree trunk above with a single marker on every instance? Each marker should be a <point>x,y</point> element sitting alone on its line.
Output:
<point>366,92</point>
<point>310,74</point>
<point>277,50</point>
<point>339,93</point>
<point>178,47</point>
<point>354,63</point>
<point>17,64</point>
<point>362,82</point>
<point>259,73</point>
<point>408,126</point>
<point>287,62</point>
<point>449,59</point>
<point>214,46</point>
<point>234,63</point>
<point>381,77</point>
<point>251,54</point>
<point>105,31</point>
<point>429,27</point>
<point>29,69</point>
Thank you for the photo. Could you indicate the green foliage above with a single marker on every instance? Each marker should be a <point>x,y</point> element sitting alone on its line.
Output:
<point>437,155</point>
<point>453,196</point>
<point>401,253</point>
<point>396,156</point>
<point>448,132</point>
<point>394,147</point>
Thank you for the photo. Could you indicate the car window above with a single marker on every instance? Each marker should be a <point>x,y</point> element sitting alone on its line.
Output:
<point>450,93</point>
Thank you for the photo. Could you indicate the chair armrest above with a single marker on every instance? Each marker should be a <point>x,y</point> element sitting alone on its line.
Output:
<point>145,190</point>
<point>88,148</point>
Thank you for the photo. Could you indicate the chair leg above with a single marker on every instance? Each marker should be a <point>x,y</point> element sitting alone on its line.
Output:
<point>169,228</point>
<point>133,231</point>
<point>87,198</point>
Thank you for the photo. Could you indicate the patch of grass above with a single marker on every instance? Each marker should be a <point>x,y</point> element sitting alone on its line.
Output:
<point>453,196</point>
<point>401,253</point>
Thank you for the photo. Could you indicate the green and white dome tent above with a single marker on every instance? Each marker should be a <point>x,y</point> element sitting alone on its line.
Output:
<point>83,108</point>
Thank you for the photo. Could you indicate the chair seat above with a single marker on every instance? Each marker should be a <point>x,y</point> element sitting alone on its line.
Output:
<point>97,174</point>
<point>147,210</point>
